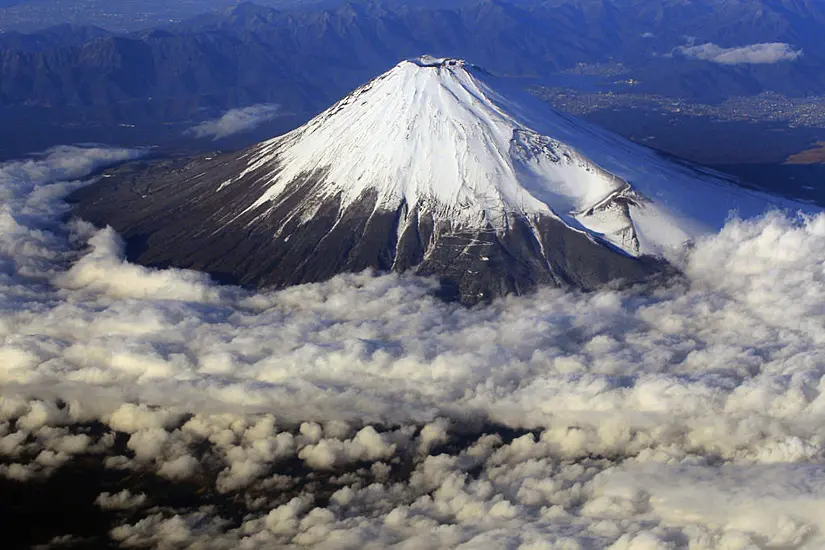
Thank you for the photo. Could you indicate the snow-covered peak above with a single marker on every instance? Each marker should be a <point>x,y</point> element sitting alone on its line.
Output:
<point>438,135</point>
<point>427,133</point>
<point>422,133</point>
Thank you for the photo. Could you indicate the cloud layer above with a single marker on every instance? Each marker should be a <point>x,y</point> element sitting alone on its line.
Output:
<point>765,53</point>
<point>236,121</point>
<point>363,413</point>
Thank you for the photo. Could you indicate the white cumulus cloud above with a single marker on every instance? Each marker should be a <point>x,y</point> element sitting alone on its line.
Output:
<point>764,53</point>
<point>236,121</point>
<point>364,413</point>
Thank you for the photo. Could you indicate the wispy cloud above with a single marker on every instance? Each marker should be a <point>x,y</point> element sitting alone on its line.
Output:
<point>765,53</point>
<point>236,121</point>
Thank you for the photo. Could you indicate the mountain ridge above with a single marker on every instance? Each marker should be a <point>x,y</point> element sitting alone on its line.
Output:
<point>259,54</point>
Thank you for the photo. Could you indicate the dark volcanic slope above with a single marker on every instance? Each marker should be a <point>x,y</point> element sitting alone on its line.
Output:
<point>171,215</point>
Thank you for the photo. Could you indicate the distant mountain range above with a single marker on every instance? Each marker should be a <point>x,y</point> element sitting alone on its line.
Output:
<point>305,58</point>
<point>69,80</point>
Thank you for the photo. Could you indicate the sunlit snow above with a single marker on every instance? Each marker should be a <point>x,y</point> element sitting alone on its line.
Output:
<point>450,139</point>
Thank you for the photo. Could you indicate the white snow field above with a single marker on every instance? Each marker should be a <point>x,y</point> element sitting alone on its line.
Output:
<point>445,136</point>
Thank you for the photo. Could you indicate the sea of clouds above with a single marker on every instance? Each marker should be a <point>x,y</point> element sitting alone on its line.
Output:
<point>364,413</point>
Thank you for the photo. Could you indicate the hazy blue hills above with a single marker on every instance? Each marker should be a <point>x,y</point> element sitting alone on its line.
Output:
<point>302,59</point>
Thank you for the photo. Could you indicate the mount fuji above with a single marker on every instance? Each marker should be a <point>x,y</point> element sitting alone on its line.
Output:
<point>435,167</point>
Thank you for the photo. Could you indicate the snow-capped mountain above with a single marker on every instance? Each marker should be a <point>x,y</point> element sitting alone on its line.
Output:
<point>434,167</point>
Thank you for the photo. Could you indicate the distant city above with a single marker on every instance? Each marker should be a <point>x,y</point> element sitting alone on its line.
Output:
<point>806,112</point>
<point>120,16</point>
<point>124,16</point>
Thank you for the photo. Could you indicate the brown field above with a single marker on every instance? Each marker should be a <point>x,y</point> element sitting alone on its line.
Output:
<point>815,155</point>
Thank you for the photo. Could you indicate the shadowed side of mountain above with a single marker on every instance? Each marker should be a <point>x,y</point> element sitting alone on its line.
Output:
<point>170,216</point>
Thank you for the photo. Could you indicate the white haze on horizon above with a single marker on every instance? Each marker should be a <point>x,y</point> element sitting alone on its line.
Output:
<point>686,416</point>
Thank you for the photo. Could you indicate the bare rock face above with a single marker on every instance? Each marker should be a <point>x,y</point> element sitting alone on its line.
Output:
<point>427,169</point>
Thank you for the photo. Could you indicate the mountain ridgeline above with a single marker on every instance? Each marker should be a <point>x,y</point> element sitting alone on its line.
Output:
<point>437,168</point>
<point>304,58</point>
